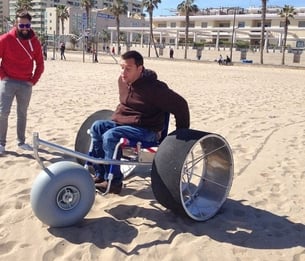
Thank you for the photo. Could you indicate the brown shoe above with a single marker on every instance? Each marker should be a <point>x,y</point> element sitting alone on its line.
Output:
<point>98,179</point>
<point>115,188</point>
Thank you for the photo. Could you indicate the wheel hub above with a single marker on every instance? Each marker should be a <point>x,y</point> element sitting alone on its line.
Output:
<point>68,197</point>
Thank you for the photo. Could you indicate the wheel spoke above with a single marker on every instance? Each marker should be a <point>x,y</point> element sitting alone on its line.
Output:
<point>213,151</point>
<point>193,162</point>
<point>213,182</point>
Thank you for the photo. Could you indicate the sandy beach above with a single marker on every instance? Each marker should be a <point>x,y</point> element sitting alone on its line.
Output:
<point>258,109</point>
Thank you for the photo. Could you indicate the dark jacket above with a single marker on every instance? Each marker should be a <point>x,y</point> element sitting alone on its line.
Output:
<point>144,103</point>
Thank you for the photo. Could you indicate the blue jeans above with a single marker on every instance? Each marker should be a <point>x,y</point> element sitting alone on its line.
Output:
<point>9,89</point>
<point>105,136</point>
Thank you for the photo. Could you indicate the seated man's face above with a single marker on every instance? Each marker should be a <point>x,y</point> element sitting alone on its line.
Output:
<point>130,72</point>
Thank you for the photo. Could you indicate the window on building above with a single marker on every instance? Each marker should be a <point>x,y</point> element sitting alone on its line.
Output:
<point>204,25</point>
<point>162,25</point>
<point>173,25</point>
<point>172,41</point>
<point>192,24</point>
<point>224,24</point>
<point>300,44</point>
<point>256,23</point>
<point>241,24</point>
<point>282,24</point>
<point>301,24</point>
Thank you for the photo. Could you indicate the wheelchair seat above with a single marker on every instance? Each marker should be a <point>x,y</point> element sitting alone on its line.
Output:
<point>143,151</point>
<point>145,144</point>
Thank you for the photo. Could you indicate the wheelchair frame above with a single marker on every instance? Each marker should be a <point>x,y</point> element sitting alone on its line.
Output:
<point>192,173</point>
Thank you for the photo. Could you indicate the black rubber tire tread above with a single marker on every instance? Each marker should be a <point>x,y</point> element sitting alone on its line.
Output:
<point>82,141</point>
<point>168,165</point>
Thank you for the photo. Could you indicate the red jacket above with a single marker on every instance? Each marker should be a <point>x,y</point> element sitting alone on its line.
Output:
<point>19,57</point>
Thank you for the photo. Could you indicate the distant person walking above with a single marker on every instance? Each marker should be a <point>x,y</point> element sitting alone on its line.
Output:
<point>45,50</point>
<point>171,53</point>
<point>199,53</point>
<point>62,51</point>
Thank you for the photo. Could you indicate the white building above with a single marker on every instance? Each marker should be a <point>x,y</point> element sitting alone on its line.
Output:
<point>219,26</point>
<point>4,13</point>
<point>213,26</point>
<point>39,21</point>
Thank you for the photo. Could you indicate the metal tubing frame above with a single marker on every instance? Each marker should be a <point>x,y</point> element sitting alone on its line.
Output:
<point>37,142</point>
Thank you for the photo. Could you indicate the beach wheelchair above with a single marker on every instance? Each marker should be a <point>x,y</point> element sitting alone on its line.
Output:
<point>191,173</point>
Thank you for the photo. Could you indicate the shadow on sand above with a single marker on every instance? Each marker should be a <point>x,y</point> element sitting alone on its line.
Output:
<point>236,224</point>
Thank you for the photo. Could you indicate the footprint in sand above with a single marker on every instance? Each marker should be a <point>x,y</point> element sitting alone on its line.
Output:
<point>7,247</point>
<point>255,192</point>
<point>58,250</point>
<point>4,232</point>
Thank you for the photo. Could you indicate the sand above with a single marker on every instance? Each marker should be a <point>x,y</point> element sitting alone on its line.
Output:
<point>260,112</point>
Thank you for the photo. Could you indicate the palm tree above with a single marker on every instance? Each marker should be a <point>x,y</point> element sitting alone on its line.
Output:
<point>88,4</point>
<point>264,9</point>
<point>105,36</point>
<point>62,14</point>
<point>24,4</point>
<point>150,5</point>
<point>286,13</point>
<point>118,8</point>
<point>187,8</point>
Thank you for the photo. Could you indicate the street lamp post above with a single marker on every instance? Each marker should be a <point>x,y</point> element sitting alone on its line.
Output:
<point>233,31</point>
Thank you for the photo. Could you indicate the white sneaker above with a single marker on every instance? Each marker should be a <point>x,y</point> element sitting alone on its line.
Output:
<point>2,149</point>
<point>25,146</point>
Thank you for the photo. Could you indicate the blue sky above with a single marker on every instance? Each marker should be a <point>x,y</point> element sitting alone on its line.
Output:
<point>166,5</point>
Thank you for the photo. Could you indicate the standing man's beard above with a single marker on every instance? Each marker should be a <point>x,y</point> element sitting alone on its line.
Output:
<point>23,36</point>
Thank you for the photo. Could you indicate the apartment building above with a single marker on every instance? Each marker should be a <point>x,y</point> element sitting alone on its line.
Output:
<point>100,21</point>
<point>40,17</point>
<point>211,26</point>
<point>216,26</point>
<point>4,13</point>
<point>219,26</point>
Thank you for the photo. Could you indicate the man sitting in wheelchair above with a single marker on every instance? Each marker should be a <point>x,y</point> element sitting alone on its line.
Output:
<point>140,116</point>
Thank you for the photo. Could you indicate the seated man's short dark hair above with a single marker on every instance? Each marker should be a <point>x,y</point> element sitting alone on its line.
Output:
<point>133,55</point>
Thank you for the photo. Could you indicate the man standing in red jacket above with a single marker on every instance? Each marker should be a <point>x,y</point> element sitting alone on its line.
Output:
<point>21,67</point>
